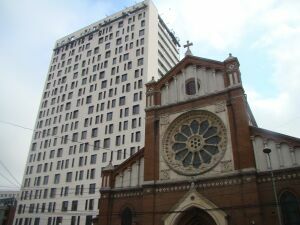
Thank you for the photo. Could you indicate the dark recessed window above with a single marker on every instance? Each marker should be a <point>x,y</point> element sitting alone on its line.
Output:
<point>190,86</point>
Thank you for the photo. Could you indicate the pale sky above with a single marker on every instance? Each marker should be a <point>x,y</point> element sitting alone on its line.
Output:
<point>264,35</point>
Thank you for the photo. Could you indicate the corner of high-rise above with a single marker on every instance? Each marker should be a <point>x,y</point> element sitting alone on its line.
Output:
<point>92,112</point>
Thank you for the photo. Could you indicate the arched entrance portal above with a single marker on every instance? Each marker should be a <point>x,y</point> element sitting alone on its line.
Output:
<point>195,216</point>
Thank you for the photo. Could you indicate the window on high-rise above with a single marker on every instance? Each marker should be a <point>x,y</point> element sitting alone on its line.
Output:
<point>104,157</point>
<point>119,41</point>
<point>96,145</point>
<point>109,116</point>
<point>138,136</point>
<point>94,132</point>
<point>90,109</point>
<point>52,192</point>
<point>119,154</point>
<point>74,205</point>
<point>93,159</point>
<point>92,188</point>
<point>135,109</point>
<point>140,62</point>
<point>118,140</point>
<point>69,177</point>
<point>124,77</point>
<point>141,32</point>
<point>64,206</point>
<point>106,143</point>
<point>122,100</point>
<point>56,178</point>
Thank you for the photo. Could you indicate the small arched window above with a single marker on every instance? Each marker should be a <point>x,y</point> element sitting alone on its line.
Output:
<point>126,217</point>
<point>289,208</point>
<point>191,86</point>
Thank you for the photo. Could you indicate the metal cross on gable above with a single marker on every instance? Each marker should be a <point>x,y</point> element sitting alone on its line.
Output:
<point>187,45</point>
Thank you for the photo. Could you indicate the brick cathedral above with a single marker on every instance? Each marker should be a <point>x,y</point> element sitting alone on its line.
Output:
<point>205,160</point>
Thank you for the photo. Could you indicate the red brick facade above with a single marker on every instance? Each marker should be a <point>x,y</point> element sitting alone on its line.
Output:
<point>241,197</point>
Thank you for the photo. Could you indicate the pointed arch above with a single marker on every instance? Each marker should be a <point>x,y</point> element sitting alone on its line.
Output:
<point>196,202</point>
<point>195,216</point>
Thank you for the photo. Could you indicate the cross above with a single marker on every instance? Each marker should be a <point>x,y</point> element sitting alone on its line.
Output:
<point>187,45</point>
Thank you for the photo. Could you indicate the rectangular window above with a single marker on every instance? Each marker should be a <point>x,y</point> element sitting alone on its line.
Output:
<point>59,152</point>
<point>56,178</point>
<point>64,206</point>
<point>69,177</point>
<point>92,188</point>
<point>74,205</point>
<point>90,109</point>
<point>109,116</point>
<point>107,45</point>
<point>52,153</point>
<point>126,56</point>
<point>96,145</point>
<point>140,62</point>
<point>138,136</point>
<point>119,41</point>
<point>92,175</point>
<point>141,32</point>
<point>106,143</point>
<point>53,193</point>
<point>124,77</point>
<point>93,159</point>
<point>94,132</point>
<point>119,154</point>
<point>136,109</point>
<point>118,140</point>
<point>104,157</point>
<point>122,101</point>
<point>103,84</point>
<point>83,134</point>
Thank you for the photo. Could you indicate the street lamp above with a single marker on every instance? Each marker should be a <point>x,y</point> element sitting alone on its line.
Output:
<point>268,151</point>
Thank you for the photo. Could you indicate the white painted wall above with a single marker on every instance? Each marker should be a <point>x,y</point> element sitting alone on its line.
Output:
<point>210,82</point>
<point>282,155</point>
<point>131,177</point>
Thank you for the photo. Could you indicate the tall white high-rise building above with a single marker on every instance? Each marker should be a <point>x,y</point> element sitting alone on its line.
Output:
<point>92,112</point>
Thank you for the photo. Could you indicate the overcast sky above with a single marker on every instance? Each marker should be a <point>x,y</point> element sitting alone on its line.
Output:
<point>264,35</point>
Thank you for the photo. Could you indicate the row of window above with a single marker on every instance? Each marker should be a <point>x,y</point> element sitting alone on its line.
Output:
<point>79,175</point>
<point>52,192</point>
<point>51,220</point>
<point>101,32</point>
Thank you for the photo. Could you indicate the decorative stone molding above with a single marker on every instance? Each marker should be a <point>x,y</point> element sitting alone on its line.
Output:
<point>164,120</point>
<point>165,174</point>
<point>220,107</point>
<point>232,67</point>
<point>279,177</point>
<point>194,143</point>
<point>226,166</point>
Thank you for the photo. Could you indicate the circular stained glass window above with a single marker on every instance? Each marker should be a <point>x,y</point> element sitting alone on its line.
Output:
<point>194,142</point>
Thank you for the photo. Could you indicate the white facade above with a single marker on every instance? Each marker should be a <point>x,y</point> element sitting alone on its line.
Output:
<point>284,154</point>
<point>92,112</point>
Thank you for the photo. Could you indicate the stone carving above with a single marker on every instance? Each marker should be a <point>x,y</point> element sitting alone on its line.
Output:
<point>232,66</point>
<point>226,166</point>
<point>220,107</point>
<point>164,120</point>
<point>165,174</point>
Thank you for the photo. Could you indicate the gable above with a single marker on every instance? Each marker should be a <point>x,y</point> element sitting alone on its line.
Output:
<point>193,77</point>
<point>192,81</point>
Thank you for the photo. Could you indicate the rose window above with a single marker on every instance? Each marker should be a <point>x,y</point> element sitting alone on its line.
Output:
<point>194,142</point>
